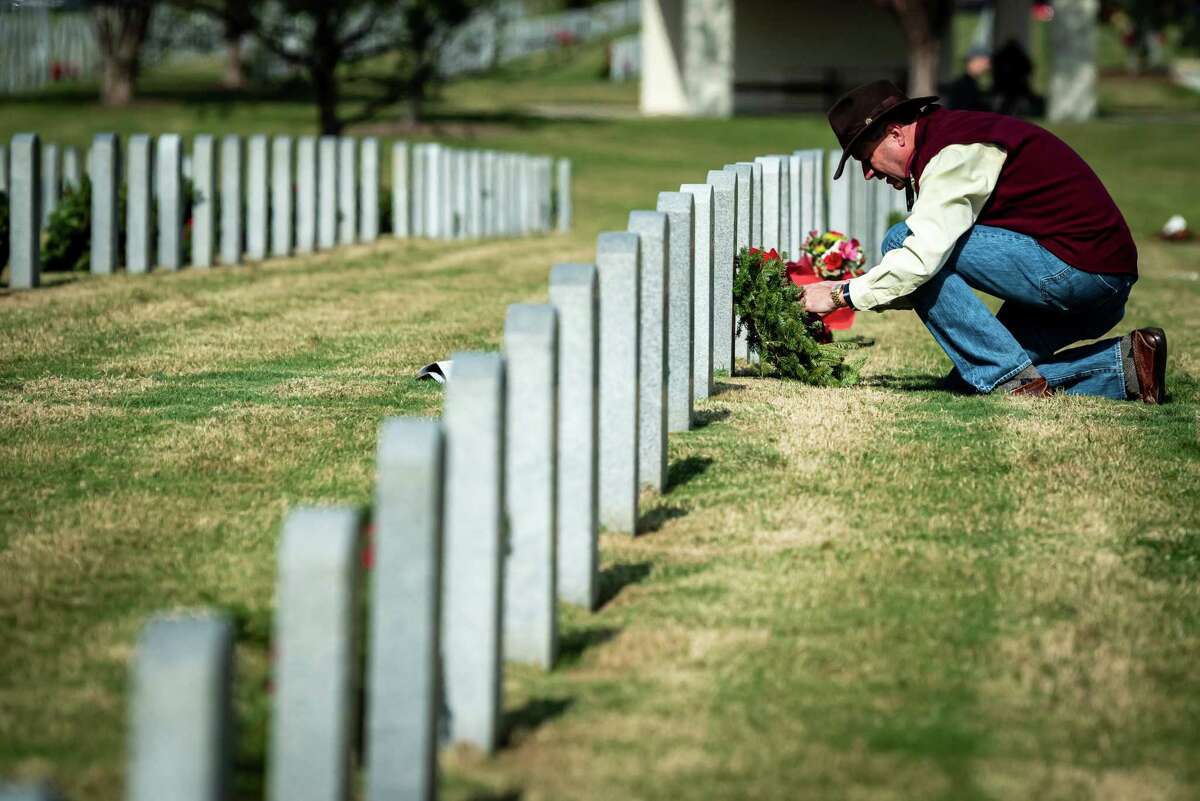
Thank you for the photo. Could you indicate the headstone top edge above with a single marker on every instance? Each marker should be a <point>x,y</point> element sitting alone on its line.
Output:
<point>617,242</point>
<point>643,221</point>
<point>174,634</point>
<point>572,274</point>
<point>476,364</point>
<point>676,201</point>
<point>400,437</point>
<point>537,321</point>
<point>722,179</point>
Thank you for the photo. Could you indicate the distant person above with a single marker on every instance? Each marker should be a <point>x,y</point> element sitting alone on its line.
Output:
<point>965,93</point>
<point>1012,90</point>
<point>1007,208</point>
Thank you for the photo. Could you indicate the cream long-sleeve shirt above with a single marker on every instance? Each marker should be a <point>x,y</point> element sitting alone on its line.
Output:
<point>955,185</point>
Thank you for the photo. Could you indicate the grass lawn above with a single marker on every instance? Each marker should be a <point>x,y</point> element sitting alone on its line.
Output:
<point>877,592</point>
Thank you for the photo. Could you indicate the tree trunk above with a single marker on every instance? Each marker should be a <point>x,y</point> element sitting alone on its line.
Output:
<point>925,23</point>
<point>235,67</point>
<point>325,85</point>
<point>323,63</point>
<point>924,58</point>
<point>121,29</point>
<point>116,87</point>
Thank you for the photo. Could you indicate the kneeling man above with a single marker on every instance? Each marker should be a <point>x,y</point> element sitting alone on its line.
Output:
<point>999,205</point>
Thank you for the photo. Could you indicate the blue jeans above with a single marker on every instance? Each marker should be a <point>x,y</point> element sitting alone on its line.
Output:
<point>1048,304</point>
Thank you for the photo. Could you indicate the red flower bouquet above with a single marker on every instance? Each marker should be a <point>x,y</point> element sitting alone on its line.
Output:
<point>831,256</point>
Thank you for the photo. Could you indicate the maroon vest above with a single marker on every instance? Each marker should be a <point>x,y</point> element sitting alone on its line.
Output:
<point>1045,189</point>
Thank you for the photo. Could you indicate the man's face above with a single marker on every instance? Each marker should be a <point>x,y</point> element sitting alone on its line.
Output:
<point>885,157</point>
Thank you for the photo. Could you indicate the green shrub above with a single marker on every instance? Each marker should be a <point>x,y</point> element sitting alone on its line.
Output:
<point>787,338</point>
<point>3,229</point>
<point>68,244</point>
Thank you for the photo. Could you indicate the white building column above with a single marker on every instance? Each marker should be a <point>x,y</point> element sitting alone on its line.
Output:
<point>687,57</point>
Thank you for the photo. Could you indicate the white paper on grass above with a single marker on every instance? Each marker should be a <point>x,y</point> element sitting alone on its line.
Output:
<point>438,371</point>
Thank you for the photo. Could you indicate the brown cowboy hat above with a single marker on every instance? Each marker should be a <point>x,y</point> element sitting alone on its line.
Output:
<point>866,109</point>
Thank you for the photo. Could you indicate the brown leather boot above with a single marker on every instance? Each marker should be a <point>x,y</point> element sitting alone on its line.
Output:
<point>1037,388</point>
<point>1148,349</point>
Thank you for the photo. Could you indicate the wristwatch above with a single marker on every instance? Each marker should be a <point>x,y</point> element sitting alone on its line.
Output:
<point>840,295</point>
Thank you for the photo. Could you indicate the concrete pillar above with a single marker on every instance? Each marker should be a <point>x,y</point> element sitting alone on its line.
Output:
<point>652,229</point>
<point>401,195</point>
<point>106,224</point>
<point>70,169</point>
<point>459,188</point>
<point>231,199</point>
<point>743,229</point>
<point>417,195</point>
<point>446,180</point>
<point>404,691</point>
<point>368,230</point>
<point>181,735</point>
<point>574,292</point>
<point>564,196</point>
<point>51,180</point>
<point>725,202</point>
<point>617,260</point>
<point>680,208</point>
<point>347,190</point>
<point>306,195</point>
<point>25,213</point>
<point>839,195</point>
<point>281,196</point>
<point>327,193</point>
<point>168,175</point>
<point>1072,93</point>
<point>794,237</point>
<point>860,207</point>
<point>473,587</point>
<point>3,168</point>
<point>431,175</point>
<point>531,485</point>
<point>772,195</point>
<point>204,200</point>
<point>138,233</point>
<point>811,194</point>
<point>315,643</point>
<point>702,290</point>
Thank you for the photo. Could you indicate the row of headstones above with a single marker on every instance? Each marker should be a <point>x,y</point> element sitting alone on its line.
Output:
<point>483,520</point>
<point>289,196</point>
<point>466,194</point>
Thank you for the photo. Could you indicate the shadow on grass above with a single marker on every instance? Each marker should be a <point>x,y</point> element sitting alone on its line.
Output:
<point>500,795</point>
<point>721,387</point>
<point>706,417</point>
<point>911,382</point>
<point>1173,558</point>
<point>684,470</point>
<point>618,577</point>
<point>572,644</point>
<point>656,518</point>
<point>532,714</point>
<point>49,281</point>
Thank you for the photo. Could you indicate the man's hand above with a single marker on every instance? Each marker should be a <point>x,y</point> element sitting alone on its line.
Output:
<point>817,298</point>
